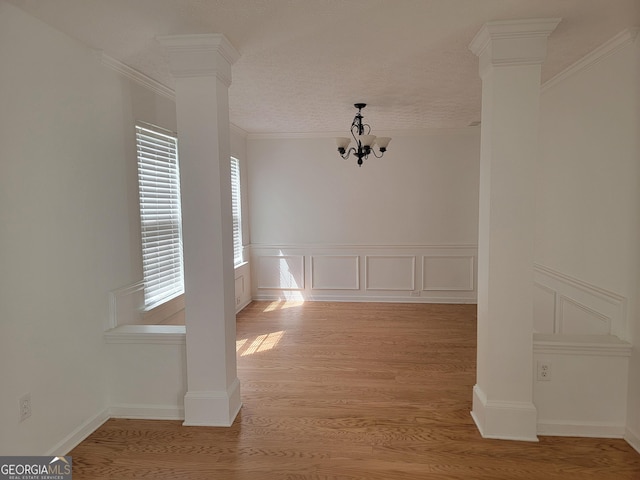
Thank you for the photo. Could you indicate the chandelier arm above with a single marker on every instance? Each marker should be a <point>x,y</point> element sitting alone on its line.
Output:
<point>375,155</point>
<point>346,154</point>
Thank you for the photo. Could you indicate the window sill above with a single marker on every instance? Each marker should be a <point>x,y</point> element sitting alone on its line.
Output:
<point>147,334</point>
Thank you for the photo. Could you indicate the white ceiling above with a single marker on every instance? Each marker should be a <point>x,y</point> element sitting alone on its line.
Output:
<point>304,63</point>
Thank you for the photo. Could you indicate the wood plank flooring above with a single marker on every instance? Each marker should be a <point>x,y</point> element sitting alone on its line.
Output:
<point>347,391</point>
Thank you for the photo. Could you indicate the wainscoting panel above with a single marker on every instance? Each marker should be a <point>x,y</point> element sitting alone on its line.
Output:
<point>577,319</point>
<point>281,272</point>
<point>243,286</point>
<point>449,273</point>
<point>125,305</point>
<point>585,394</point>
<point>365,273</point>
<point>387,272</point>
<point>580,333</point>
<point>544,309</point>
<point>335,272</point>
<point>567,305</point>
<point>239,287</point>
<point>147,378</point>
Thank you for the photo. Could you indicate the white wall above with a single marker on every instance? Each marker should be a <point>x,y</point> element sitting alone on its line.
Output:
<point>147,372</point>
<point>422,192</point>
<point>68,226</point>
<point>377,232</point>
<point>585,390</point>
<point>588,224</point>
<point>588,179</point>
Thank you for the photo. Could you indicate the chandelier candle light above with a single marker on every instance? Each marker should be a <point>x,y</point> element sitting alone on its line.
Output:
<point>361,133</point>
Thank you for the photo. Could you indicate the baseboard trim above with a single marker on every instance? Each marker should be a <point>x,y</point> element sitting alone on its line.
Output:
<point>212,408</point>
<point>299,295</point>
<point>504,420</point>
<point>633,439</point>
<point>147,412</point>
<point>580,429</point>
<point>74,439</point>
<point>243,305</point>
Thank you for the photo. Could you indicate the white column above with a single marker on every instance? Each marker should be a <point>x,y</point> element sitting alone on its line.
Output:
<point>201,66</point>
<point>511,55</point>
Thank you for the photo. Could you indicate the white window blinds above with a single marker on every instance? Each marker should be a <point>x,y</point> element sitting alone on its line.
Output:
<point>159,190</point>
<point>237,211</point>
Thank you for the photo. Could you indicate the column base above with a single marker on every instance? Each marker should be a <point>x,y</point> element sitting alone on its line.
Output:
<point>504,420</point>
<point>212,408</point>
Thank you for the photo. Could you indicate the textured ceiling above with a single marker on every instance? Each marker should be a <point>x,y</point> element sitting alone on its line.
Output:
<point>305,62</point>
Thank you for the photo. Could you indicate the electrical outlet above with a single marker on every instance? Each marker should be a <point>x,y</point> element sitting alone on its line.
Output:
<point>415,293</point>
<point>25,406</point>
<point>544,371</point>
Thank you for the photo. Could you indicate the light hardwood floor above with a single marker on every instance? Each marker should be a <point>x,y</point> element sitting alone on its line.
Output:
<point>348,391</point>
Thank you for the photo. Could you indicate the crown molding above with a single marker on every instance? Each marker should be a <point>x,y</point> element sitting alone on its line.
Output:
<point>200,55</point>
<point>137,76</point>
<point>201,42</point>
<point>149,83</point>
<point>511,30</point>
<point>610,47</point>
<point>238,131</point>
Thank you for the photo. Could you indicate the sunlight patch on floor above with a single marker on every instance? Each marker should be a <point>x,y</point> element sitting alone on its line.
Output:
<point>261,343</point>
<point>240,343</point>
<point>283,304</point>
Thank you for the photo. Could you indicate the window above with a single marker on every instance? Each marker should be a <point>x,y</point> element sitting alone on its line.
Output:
<point>237,211</point>
<point>159,190</point>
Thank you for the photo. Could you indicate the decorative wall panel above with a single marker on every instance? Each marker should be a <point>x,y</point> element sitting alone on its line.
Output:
<point>578,319</point>
<point>125,305</point>
<point>335,272</point>
<point>391,272</point>
<point>281,272</point>
<point>448,273</point>
<point>579,307</point>
<point>544,309</point>
<point>364,273</point>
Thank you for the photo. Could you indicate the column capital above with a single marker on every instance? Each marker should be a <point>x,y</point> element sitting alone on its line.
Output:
<point>513,42</point>
<point>200,55</point>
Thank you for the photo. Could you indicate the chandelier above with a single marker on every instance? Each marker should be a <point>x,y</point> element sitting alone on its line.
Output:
<point>361,133</point>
